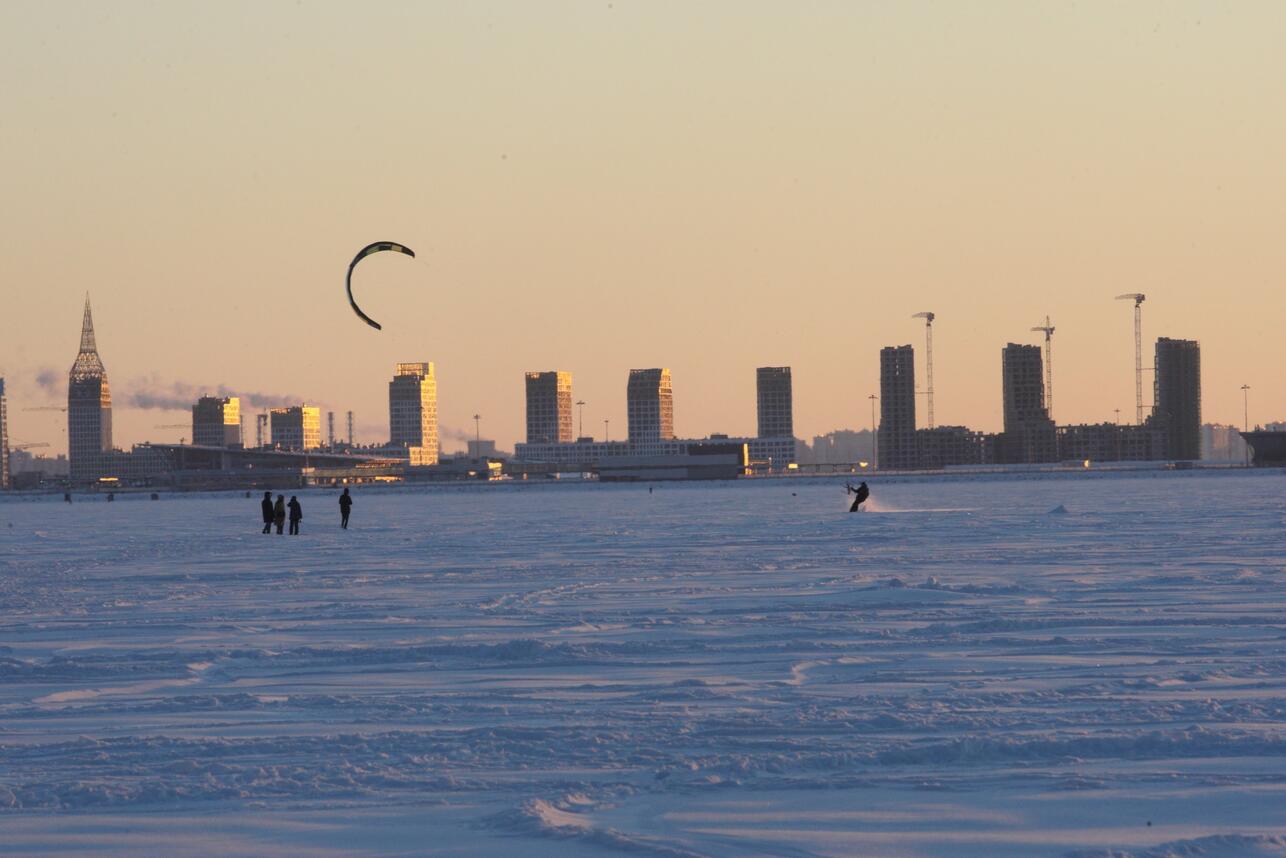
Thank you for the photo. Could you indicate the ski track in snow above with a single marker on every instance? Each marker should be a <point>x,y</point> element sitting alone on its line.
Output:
<point>706,670</point>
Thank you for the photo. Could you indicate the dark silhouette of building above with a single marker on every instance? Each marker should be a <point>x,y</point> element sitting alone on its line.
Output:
<point>1177,395</point>
<point>896,438</point>
<point>89,408</point>
<point>1029,435</point>
<point>943,446</point>
<point>650,406</point>
<point>1110,442</point>
<point>549,408</point>
<point>776,409</point>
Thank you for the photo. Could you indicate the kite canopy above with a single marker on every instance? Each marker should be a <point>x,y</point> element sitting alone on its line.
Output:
<point>366,251</point>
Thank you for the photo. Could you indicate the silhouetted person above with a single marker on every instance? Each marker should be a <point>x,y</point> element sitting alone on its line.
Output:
<point>279,513</point>
<point>862,493</point>
<point>345,507</point>
<point>268,515</point>
<point>296,515</point>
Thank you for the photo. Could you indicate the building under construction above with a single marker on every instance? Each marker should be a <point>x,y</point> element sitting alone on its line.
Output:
<point>897,441</point>
<point>549,407</point>
<point>1029,436</point>
<point>1177,394</point>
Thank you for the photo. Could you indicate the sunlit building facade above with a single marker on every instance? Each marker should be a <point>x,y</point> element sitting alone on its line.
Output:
<point>295,428</point>
<point>413,410</point>
<point>650,406</point>
<point>216,421</point>
<point>549,407</point>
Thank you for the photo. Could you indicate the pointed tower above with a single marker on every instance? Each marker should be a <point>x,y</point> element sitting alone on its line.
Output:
<point>89,407</point>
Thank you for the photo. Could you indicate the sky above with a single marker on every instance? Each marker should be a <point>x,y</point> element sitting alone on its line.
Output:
<point>597,186</point>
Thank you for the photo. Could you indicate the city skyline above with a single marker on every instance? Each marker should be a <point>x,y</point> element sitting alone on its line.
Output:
<point>767,196</point>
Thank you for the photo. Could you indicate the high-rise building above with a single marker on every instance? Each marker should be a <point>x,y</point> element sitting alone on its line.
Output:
<point>1178,396</point>
<point>775,409</point>
<point>216,421</point>
<point>89,408</point>
<point>1030,435</point>
<point>549,407</point>
<point>4,440</point>
<point>296,428</point>
<point>896,438</point>
<point>413,410</point>
<point>650,406</point>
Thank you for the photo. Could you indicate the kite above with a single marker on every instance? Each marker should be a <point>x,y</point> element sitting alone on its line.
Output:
<point>362,254</point>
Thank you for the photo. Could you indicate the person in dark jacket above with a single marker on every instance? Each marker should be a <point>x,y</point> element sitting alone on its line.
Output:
<point>296,515</point>
<point>862,493</point>
<point>266,504</point>
<point>279,513</point>
<point>345,506</point>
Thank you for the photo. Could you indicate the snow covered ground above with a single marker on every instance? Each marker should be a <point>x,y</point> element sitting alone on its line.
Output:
<point>719,670</point>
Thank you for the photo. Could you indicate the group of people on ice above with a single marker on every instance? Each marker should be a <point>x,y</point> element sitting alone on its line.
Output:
<point>274,514</point>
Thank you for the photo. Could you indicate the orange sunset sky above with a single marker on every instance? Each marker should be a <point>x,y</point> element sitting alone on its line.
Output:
<point>707,186</point>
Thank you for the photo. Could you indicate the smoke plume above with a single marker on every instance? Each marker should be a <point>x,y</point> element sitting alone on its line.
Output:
<point>180,396</point>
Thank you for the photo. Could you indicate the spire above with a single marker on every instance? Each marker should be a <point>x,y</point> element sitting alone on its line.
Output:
<point>88,345</point>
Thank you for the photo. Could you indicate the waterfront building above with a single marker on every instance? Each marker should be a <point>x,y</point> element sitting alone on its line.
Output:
<point>295,428</point>
<point>413,410</point>
<point>1030,436</point>
<point>1177,394</point>
<point>549,407</point>
<point>896,437</point>
<point>89,407</point>
<point>216,421</point>
<point>650,407</point>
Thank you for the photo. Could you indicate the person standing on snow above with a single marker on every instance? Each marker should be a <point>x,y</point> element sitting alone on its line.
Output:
<point>345,506</point>
<point>268,514</point>
<point>279,513</point>
<point>296,515</point>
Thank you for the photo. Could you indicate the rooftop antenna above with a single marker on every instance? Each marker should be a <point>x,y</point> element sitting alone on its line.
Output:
<point>928,354</point>
<point>1049,366</point>
<point>1137,298</point>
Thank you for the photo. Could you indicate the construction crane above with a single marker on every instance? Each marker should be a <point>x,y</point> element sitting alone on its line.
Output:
<point>1048,330</point>
<point>1137,298</point>
<point>45,408</point>
<point>31,446</point>
<point>261,423</point>
<point>928,357</point>
<point>171,425</point>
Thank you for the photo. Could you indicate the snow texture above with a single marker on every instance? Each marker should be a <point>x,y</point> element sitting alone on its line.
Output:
<point>706,670</point>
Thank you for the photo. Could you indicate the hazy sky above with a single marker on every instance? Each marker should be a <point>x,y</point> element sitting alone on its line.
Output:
<point>598,186</point>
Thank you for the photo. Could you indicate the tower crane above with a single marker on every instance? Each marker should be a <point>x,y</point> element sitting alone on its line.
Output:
<point>29,446</point>
<point>928,356</point>
<point>1137,298</point>
<point>1048,330</point>
<point>45,408</point>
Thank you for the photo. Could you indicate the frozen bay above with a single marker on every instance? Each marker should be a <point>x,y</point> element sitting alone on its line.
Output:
<point>720,669</point>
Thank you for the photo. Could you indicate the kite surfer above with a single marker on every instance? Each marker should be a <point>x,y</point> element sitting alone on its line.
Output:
<point>862,493</point>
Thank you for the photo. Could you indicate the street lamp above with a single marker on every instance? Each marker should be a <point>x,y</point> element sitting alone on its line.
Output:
<point>607,436</point>
<point>477,435</point>
<point>1245,418</point>
<point>580,428</point>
